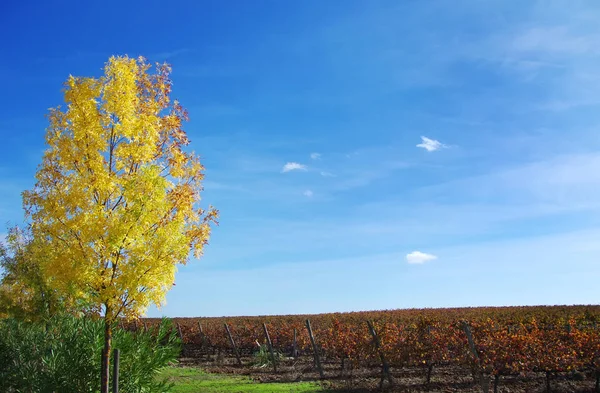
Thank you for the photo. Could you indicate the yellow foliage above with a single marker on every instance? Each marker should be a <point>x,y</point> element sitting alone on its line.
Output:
<point>24,290</point>
<point>115,206</point>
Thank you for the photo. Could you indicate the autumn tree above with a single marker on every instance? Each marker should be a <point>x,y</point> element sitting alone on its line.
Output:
<point>116,203</point>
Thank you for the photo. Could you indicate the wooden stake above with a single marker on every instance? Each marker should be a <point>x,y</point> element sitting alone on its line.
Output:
<point>482,380</point>
<point>429,370</point>
<point>202,335</point>
<point>315,350</point>
<point>385,367</point>
<point>179,331</point>
<point>235,349</point>
<point>270,347</point>
<point>295,346</point>
<point>115,387</point>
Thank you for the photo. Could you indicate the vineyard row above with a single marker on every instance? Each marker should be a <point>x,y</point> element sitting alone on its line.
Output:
<point>487,347</point>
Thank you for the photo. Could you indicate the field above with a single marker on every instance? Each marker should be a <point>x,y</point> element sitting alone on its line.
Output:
<point>509,349</point>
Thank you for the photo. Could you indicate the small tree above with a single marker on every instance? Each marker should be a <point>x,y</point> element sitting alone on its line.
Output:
<point>24,291</point>
<point>116,203</point>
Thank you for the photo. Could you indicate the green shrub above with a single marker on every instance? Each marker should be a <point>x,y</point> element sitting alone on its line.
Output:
<point>143,355</point>
<point>63,355</point>
<point>262,357</point>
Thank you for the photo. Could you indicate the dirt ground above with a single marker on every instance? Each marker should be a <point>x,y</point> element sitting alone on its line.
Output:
<point>448,379</point>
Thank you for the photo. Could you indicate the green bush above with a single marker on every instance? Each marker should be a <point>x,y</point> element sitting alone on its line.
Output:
<point>262,357</point>
<point>63,355</point>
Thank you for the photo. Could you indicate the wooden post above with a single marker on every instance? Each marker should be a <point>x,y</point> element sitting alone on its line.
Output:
<point>203,345</point>
<point>482,380</point>
<point>181,338</point>
<point>179,332</point>
<point>295,346</point>
<point>385,367</point>
<point>116,354</point>
<point>235,350</point>
<point>429,370</point>
<point>315,350</point>
<point>205,339</point>
<point>270,344</point>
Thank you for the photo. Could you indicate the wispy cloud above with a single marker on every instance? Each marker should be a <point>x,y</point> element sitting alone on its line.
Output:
<point>515,265</point>
<point>561,105</point>
<point>431,144</point>
<point>315,156</point>
<point>212,71</point>
<point>326,174</point>
<point>169,54</point>
<point>216,110</point>
<point>566,180</point>
<point>557,54</point>
<point>556,40</point>
<point>375,166</point>
<point>212,185</point>
<point>293,166</point>
<point>533,197</point>
<point>308,193</point>
<point>418,257</point>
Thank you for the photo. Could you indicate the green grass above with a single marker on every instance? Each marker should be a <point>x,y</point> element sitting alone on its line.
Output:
<point>194,380</point>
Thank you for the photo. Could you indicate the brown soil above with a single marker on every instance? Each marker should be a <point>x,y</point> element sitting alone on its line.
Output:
<point>367,379</point>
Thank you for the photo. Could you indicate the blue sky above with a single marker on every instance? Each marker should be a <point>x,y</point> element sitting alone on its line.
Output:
<point>309,116</point>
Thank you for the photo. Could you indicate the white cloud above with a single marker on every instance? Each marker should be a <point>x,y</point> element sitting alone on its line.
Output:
<point>430,144</point>
<point>308,193</point>
<point>293,166</point>
<point>418,257</point>
<point>315,156</point>
<point>327,174</point>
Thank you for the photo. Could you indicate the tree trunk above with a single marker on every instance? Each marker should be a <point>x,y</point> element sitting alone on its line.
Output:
<point>105,372</point>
